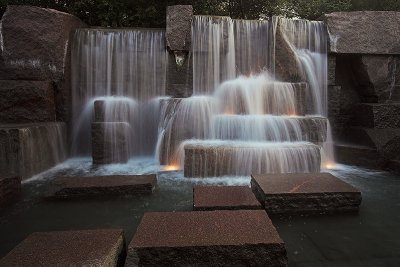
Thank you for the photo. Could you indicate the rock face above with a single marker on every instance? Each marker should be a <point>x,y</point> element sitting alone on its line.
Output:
<point>10,189</point>
<point>224,198</point>
<point>364,32</point>
<point>102,186</point>
<point>69,248</point>
<point>305,193</point>
<point>28,149</point>
<point>206,238</point>
<point>380,116</point>
<point>179,27</point>
<point>26,101</point>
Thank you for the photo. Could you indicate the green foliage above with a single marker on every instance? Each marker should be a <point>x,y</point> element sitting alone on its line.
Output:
<point>151,13</point>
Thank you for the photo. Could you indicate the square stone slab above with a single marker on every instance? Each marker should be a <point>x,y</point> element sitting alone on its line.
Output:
<point>224,198</point>
<point>305,193</point>
<point>69,248</point>
<point>102,186</point>
<point>207,238</point>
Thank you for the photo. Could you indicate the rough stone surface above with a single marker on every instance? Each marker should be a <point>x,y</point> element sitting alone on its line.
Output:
<point>69,248</point>
<point>205,238</point>
<point>28,149</point>
<point>10,190</point>
<point>359,155</point>
<point>331,70</point>
<point>110,142</point>
<point>102,186</point>
<point>179,27</point>
<point>179,74</point>
<point>122,111</point>
<point>224,198</point>
<point>305,193</point>
<point>364,32</point>
<point>380,116</point>
<point>26,101</point>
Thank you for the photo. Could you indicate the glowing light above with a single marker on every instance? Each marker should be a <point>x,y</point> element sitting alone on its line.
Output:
<point>330,166</point>
<point>171,168</point>
<point>293,115</point>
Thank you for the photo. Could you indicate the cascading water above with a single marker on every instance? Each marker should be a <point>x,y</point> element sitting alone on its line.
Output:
<point>118,67</point>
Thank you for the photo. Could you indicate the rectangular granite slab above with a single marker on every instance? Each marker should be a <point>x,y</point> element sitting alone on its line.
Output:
<point>224,198</point>
<point>102,186</point>
<point>207,238</point>
<point>305,193</point>
<point>69,248</point>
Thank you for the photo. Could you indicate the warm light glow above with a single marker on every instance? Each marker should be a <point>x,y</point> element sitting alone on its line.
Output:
<point>330,166</point>
<point>293,115</point>
<point>171,168</point>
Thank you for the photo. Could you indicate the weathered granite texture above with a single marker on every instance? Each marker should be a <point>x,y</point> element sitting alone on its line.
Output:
<point>206,238</point>
<point>69,248</point>
<point>102,186</point>
<point>305,193</point>
<point>28,149</point>
<point>179,74</point>
<point>26,101</point>
<point>379,116</point>
<point>364,32</point>
<point>179,27</point>
<point>110,142</point>
<point>224,198</point>
<point>10,190</point>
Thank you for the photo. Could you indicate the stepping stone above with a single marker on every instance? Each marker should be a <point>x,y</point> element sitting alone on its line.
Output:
<point>101,186</point>
<point>224,198</point>
<point>305,193</point>
<point>207,238</point>
<point>10,190</point>
<point>69,248</point>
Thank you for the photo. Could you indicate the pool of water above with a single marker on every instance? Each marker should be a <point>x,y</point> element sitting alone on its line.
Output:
<point>370,238</point>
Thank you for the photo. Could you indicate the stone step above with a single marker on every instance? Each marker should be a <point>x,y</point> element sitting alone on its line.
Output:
<point>69,248</point>
<point>206,238</point>
<point>359,156</point>
<point>213,158</point>
<point>102,186</point>
<point>269,128</point>
<point>114,109</point>
<point>380,116</point>
<point>10,190</point>
<point>224,198</point>
<point>26,101</point>
<point>316,193</point>
<point>28,149</point>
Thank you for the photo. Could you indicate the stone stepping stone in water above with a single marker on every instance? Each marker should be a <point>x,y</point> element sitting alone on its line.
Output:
<point>224,198</point>
<point>102,186</point>
<point>305,193</point>
<point>69,248</point>
<point>207,238</point>
<point>10,190</point>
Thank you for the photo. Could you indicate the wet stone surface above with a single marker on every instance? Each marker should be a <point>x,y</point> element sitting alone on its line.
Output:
<point>224,198</point>
<point>305,193</point>
<point>102,186</point>
<point>207,238</point>
<point>69,248</point>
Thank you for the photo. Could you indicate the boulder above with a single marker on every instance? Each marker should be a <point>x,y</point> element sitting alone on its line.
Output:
<point>179,27</point>
<point>364,32</point>
<point>26,101</point>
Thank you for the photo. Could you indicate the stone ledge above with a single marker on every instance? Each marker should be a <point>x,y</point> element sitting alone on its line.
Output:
<point>102,186</point>
<point>69,248</point>
<point>224,198</point>
<point>218,238</point>
<point>305,193</point>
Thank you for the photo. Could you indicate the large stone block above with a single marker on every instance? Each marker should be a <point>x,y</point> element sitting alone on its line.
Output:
<point>380,116</point>
<point>36,43</point>
<point>179,74</point>
<point>69,248</point>
<point>179,27</point>
<point>364,32</point>
<point>305,193</point>
<point>28,149</point>
<point>26,101</point>
<point>110,142</point>
<point>359,156</point>
<point>102,186</point>
<point>10,189</point>
<point>207,238</point>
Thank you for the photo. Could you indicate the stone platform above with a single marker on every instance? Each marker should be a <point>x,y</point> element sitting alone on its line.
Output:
<point>305,193</point>
<point>10,189</point>
<point>102,186</point>
<point>207,238</point>
<point>69,248</point>
<point>224,198</point>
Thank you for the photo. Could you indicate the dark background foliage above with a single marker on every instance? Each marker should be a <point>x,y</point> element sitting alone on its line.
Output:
<point>151,13</point>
